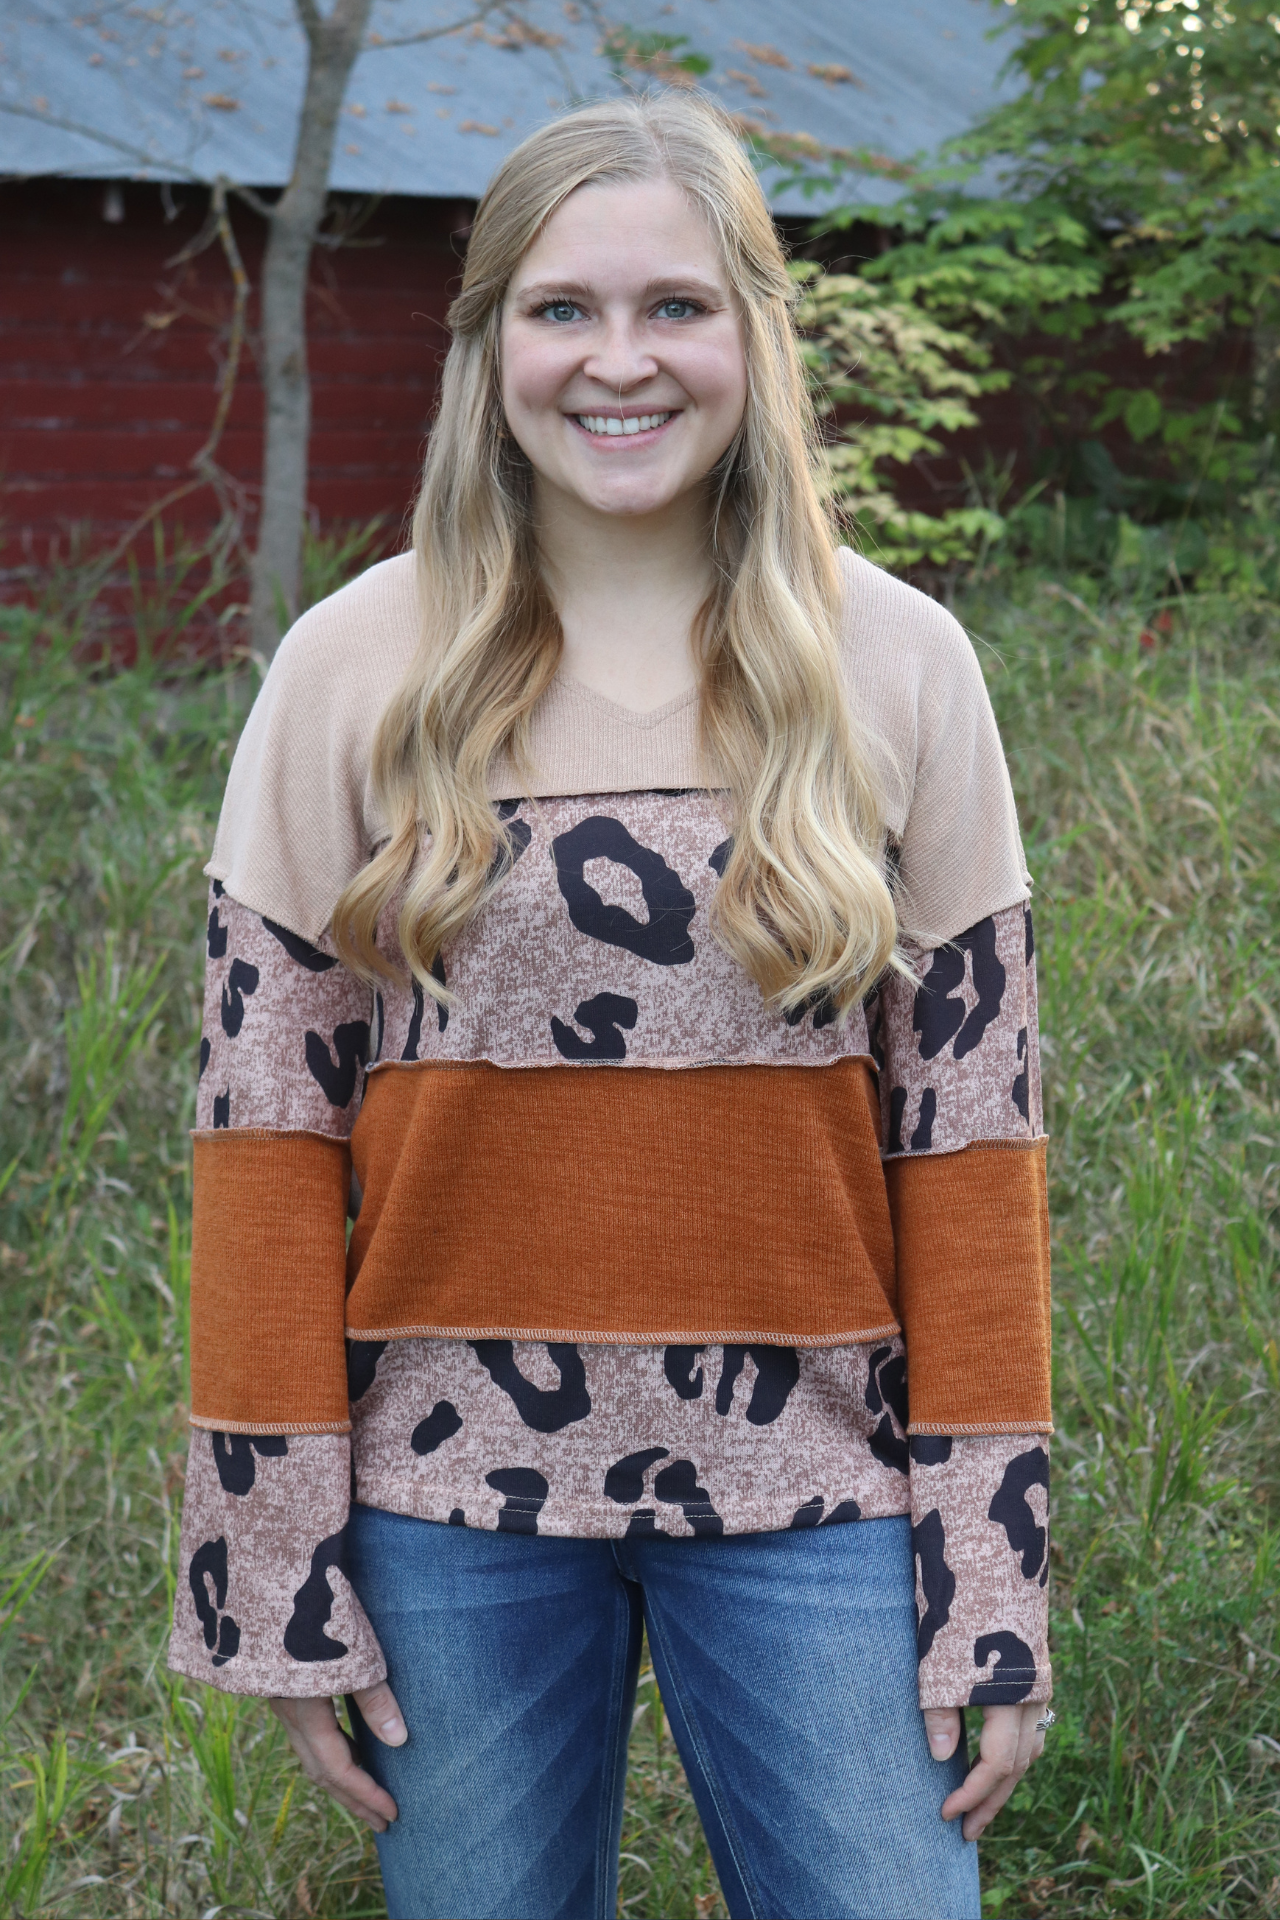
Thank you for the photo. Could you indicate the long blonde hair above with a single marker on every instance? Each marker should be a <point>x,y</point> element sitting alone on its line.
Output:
<point>802,903</point>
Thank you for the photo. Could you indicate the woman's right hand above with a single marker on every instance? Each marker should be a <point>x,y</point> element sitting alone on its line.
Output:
<point>327,1755</point>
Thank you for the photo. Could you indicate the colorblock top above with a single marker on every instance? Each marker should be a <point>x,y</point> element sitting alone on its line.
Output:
<point>632,1251</point>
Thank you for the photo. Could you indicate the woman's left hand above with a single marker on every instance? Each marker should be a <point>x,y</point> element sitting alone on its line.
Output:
<point>1010,1742</point>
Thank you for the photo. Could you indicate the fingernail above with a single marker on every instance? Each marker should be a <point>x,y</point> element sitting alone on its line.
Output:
<point>393,1732</point>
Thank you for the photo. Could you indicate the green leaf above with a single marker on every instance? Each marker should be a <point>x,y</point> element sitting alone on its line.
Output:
<point>1142,414</point>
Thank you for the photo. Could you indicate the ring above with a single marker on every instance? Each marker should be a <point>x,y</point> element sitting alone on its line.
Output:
<point>1047,1719</point>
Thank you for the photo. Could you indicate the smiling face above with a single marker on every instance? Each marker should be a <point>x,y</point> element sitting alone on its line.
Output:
<point>624,373</point>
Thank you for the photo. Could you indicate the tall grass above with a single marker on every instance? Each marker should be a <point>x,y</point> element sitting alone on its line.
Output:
<point>1147,777</point>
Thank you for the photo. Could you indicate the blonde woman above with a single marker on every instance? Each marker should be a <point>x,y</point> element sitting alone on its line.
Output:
<point>618,908</point>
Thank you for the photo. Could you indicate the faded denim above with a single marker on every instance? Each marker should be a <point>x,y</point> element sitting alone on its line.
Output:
<point>788,1671</point>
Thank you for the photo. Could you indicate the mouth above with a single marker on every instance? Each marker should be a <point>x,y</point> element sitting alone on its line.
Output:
<point>622,426</point>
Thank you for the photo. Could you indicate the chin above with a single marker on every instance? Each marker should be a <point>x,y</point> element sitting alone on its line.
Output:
<point>632,500</point>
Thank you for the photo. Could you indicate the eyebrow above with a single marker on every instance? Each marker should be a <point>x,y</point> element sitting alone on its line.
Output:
<point>668,283</point>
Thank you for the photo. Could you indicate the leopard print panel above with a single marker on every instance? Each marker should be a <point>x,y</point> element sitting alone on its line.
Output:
<point>286,1028</point>
<point>593,1441</point>
<point>601,928</point>
<point>263,1605</point>
<point>959,1054</point>
<point>980,1535</point>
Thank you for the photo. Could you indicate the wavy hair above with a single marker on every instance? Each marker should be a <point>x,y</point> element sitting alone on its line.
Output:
<point>802,903</point>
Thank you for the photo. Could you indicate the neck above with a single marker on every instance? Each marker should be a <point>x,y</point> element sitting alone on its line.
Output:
<point>627,588</point>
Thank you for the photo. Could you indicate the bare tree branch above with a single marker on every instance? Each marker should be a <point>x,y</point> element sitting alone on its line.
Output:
<point>203,460</point>
<point>203,463</point>
<point>475,19</point>
<point>141,155</point>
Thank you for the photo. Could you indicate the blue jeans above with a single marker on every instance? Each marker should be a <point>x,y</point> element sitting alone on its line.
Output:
<point>787,1665</point>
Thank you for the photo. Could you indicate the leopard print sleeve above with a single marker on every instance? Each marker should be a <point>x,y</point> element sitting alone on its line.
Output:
<point>958,1055</point>
<point>263,1604</point>
<point>980,1535</point>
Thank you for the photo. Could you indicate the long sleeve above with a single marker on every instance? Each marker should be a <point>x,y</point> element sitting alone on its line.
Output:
<point>963,1144</point>
<point>263,1605</point>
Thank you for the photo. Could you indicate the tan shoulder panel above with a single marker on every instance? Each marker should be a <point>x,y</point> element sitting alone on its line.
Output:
<point>918,695</point>
<point>297,821</point>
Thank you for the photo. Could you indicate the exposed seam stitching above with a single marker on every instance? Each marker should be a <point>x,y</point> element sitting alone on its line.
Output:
<point>596,1338</point>
<point>208,1423</point>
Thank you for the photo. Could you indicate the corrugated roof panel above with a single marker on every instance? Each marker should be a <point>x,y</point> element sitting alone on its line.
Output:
<point>178,91</point>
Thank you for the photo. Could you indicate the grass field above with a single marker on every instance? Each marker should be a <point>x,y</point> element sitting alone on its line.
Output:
<point>1146,759</point>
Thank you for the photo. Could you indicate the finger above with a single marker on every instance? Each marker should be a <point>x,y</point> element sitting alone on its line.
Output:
<point>982,1816</point>
<point>362,1809</point>
<point>998,1753</point>
<point>982,1780</point>
<point>1028,1734</point>
<point>381,1714</point>
<point>1030,1743</point>
<point>360,1794</point>
<point>942,1726</point>
<point>324,1754</point>
<point>348,1782</point>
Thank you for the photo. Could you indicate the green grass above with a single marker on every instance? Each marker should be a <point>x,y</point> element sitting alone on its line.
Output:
<point>1148,784</point>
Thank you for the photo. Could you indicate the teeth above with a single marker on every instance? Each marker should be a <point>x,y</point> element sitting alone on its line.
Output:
<point>611,423</point>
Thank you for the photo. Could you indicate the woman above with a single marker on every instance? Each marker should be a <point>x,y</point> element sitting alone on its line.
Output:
<point>659,861</point>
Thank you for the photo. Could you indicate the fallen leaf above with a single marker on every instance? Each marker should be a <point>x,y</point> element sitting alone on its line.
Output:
<point>476,126</point>
<point>224,102</point>
<point>766,55</point>
<point>747,80</point>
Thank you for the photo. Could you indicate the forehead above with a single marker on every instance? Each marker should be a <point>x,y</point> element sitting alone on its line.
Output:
<point>622,230</point>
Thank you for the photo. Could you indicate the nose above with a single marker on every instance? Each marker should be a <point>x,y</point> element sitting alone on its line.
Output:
<point>619,359</point>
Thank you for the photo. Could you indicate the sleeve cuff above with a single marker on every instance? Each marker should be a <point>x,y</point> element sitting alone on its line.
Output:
<point>980,1537</point>
<point>263,1603</point>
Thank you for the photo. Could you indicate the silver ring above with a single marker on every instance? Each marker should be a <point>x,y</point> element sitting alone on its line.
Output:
<point>1047,1719</point>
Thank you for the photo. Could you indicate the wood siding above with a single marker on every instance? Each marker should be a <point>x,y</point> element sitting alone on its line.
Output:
<point>109,355</point>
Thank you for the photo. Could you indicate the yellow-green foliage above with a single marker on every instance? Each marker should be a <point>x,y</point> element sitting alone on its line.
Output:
<point>898,378</point>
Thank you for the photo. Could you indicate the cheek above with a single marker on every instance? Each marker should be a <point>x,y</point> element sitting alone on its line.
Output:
<point>533,373</point>
<point>716,376</point>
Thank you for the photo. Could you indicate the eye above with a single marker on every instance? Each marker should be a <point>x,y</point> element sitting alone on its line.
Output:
<point>557,311</point>
<point>679,309</point>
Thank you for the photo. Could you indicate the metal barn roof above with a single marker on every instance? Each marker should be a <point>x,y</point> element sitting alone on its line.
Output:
<point>185,91</point>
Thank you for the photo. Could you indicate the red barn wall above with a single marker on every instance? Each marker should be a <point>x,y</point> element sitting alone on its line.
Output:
<point>109,357</point>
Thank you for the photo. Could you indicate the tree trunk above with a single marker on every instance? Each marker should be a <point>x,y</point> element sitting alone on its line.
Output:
<point>333,44</point>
